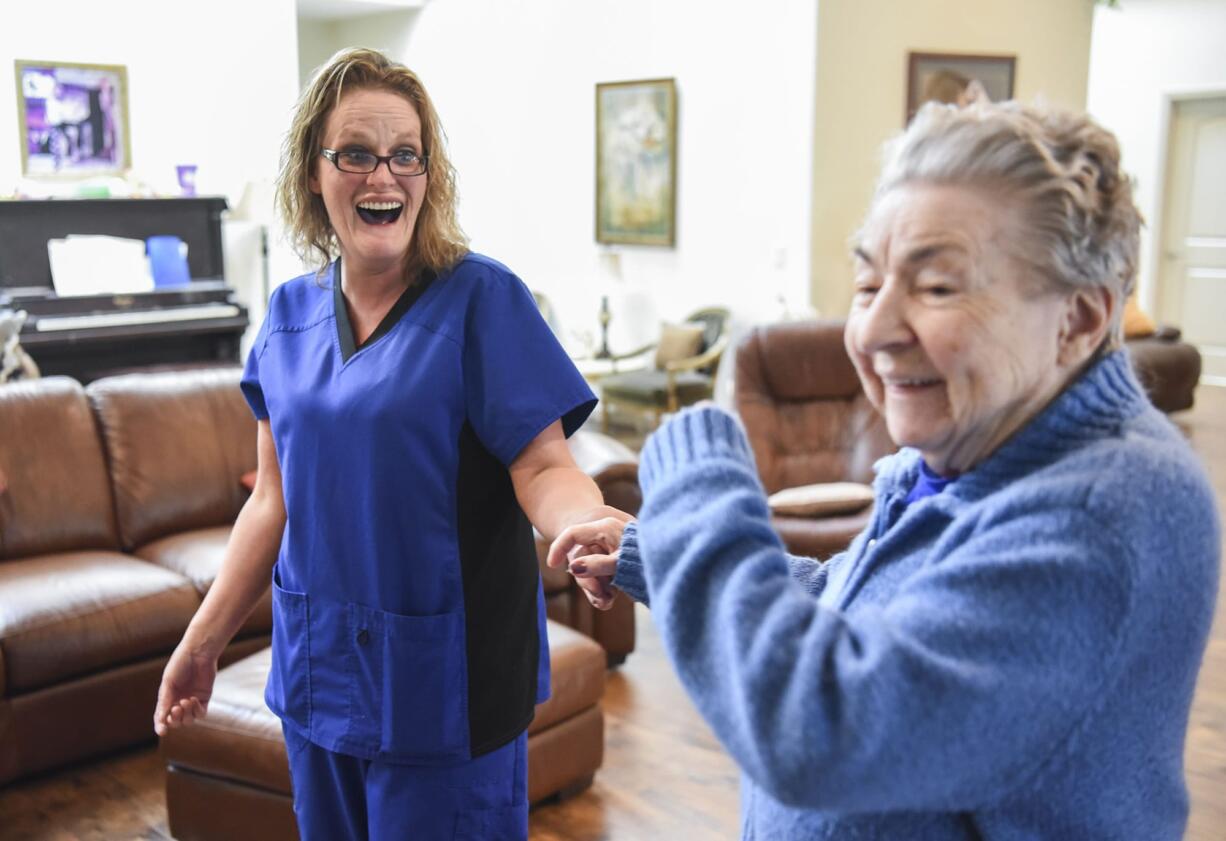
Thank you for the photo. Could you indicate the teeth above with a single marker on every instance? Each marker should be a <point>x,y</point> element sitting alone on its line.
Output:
<point>380,205</point>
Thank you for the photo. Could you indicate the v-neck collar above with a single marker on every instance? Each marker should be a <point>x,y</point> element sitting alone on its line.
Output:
<point>344,328</point>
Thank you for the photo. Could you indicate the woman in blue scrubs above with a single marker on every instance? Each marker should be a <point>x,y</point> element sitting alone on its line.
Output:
<point>413,410</point>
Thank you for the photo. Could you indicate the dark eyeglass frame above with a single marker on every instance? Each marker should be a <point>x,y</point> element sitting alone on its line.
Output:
<point>334,155</point>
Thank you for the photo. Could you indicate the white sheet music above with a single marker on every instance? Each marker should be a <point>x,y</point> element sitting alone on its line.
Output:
<point>98,265</point>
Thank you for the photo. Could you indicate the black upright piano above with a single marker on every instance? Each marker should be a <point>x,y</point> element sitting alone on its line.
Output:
<point>87,337</point>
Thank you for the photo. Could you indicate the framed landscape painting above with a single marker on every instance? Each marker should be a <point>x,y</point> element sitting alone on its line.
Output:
<point>957,79</point>
<point>73,118</point>
<point>636,162</point>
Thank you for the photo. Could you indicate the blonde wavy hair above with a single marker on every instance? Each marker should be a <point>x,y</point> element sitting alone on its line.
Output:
<point>438,242</point>
<point>1061,168</point>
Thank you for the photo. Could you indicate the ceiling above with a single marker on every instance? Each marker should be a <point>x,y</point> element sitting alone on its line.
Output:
<point>333,9</point>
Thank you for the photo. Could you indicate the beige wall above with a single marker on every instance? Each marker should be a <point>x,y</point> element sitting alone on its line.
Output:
<point>862,48</point>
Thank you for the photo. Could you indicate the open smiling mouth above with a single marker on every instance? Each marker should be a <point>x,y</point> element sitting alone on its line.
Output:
<point>380,212</point>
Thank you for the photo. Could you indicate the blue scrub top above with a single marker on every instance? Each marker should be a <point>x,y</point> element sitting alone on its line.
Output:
<point>408,620</point>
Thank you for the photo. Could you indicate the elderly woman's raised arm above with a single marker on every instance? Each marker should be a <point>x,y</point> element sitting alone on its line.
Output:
<point>963,687</point>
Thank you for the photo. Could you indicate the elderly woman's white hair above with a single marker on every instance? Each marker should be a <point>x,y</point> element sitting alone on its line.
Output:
<point>1061,169</point>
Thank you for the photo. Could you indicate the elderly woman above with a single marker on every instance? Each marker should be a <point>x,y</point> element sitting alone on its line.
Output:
<point>412,408</point>
<point>1009,650</point>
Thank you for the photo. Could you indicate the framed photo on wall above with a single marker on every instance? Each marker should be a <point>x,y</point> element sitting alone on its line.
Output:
<point>956,78</point>
<point>73,119</point>
<point>636,162</point>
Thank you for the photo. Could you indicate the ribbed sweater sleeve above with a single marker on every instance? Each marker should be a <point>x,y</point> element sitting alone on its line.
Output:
<point>811,574</point>
<point>876,713</point>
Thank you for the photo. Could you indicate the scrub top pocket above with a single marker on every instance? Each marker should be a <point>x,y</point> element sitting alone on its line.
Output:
<point>288,692</point>
<point>509,823</point>
<point>407,684</point>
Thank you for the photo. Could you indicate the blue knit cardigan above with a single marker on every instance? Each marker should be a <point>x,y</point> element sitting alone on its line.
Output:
<point>1013,658</point>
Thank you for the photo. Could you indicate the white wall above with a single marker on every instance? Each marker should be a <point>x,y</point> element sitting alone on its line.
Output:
<point>1142,53</point>
<point>214,86</point>
<point>862,51</point>
<point>317,41</point>
<point>514,82</point>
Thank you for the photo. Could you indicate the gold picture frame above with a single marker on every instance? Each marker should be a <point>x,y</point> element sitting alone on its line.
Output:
<point>956,77</point>
<point>73,119</point>
<point>636,162</point>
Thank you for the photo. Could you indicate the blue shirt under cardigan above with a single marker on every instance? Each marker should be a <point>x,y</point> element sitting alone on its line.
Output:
<point>1013,658</point>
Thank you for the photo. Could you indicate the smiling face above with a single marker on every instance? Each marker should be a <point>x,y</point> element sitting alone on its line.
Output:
<point>956,343</point>
<point>373,214</point>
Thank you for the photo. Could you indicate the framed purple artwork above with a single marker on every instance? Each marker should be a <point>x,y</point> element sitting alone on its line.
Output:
<point>73,119</point>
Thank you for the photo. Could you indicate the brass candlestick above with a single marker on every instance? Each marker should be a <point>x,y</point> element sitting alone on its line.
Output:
<point>605,318</point>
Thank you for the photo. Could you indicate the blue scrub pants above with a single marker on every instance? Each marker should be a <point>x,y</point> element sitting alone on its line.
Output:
<point>344,798</point>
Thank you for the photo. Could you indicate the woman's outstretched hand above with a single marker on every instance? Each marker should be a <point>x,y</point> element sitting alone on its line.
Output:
<point>589,550</point>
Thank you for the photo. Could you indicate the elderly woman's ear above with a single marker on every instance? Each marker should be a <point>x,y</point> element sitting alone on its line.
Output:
<point>1088,319</point>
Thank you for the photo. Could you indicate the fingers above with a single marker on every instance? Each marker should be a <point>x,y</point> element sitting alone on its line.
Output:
<point>594,566</point>
<point>605,532</point>
<point>183,712</point>
<point>599,591</point>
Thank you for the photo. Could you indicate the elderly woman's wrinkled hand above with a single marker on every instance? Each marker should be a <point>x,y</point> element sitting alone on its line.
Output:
<point>589,551</point>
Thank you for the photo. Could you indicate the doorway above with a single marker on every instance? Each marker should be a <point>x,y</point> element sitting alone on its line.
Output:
<point>1192,268</point>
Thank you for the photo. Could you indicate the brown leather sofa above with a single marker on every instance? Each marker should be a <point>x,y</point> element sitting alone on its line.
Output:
<point>86,619</point>
<point>808,421</point>
<point>115,505</point>
<point>1167,366</point>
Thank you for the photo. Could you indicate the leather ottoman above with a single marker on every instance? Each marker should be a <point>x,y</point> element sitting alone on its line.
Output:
<point>227,777</point>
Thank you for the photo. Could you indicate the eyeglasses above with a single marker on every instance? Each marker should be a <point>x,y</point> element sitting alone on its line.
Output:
<point>401,163</point>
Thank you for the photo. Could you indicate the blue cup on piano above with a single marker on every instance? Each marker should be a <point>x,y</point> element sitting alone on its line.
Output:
<point>168,261</point>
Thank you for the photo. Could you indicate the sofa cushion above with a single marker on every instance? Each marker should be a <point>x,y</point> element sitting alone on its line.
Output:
<point>677,342</point>
<point>197,556</point>
<point>73,613</point>
<point>820,537</point>
<point>58,497</point>
<point>177,442</point>
<point>821,499</point>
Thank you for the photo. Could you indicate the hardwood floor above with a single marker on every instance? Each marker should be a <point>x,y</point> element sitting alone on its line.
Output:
<point>664,774</point>
<point>1205,755</point>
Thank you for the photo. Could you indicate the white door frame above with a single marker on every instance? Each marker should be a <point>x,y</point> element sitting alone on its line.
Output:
<point>1157,225</point>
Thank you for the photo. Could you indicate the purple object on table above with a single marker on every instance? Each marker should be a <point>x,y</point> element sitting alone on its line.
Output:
<point>187,179</point>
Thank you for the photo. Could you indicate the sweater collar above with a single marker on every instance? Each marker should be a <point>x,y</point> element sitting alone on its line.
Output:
<point>1091,407</point>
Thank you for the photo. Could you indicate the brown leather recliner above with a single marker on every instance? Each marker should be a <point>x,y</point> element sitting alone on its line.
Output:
<point>808,421</point>
<point>1168,367</point>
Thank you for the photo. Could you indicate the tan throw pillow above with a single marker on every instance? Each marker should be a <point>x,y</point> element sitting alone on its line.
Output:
<point>1136,323</point>
<point>821,500</point>
<point>678,341</point>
